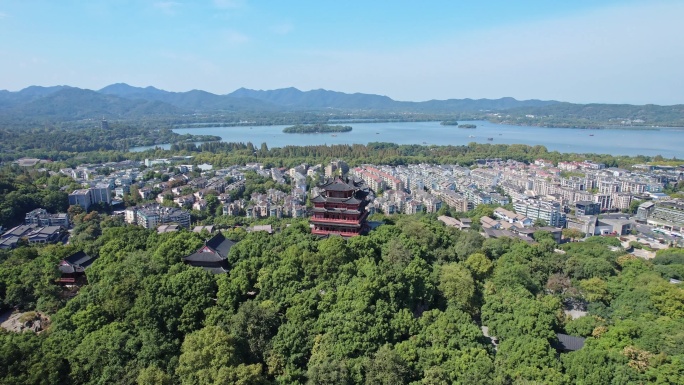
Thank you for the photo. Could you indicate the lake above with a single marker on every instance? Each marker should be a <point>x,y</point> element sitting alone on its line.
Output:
<point>668,142</point>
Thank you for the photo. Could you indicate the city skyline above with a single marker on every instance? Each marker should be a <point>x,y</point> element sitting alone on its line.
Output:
<point>613,52</point>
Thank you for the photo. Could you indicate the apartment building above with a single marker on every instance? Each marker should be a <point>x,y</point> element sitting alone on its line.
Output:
<point>535,209</point>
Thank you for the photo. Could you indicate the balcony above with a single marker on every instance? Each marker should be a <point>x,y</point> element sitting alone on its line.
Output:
<point>341,233</point>
<point>335,221</point>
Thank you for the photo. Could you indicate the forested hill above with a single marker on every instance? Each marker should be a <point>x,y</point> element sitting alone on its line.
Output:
<point>403,305</point>
<point>287,106</point>
<point>122,101</point>
<point>594,115</point>
<point>320,98</point>
<point>315,99</point>
<point>194,100</point>
<point>67,103</point>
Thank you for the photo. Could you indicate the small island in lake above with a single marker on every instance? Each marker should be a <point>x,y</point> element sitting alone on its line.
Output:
<point>315,129</point>
<point>449,123</point>
<point>467,126</point>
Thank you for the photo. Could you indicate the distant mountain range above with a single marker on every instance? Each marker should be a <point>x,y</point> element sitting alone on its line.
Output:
<point>122,101</point>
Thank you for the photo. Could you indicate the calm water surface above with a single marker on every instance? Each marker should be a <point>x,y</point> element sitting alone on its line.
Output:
<point>668,142</point>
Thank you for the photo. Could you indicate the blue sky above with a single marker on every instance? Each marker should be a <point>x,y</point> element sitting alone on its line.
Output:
<point>578,51</point>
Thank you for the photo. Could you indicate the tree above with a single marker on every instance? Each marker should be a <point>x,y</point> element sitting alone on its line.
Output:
<point>457,285</point>
<point>479,265</point>
<point>634,206</point>
<point>573,234</point>
<point>212,204</point>
<point>387,368</point>
<point>595,289</point>
<point>540,235</point>
<point>152,375</point>
<point>512,312</point>
<point>104,355</point>
<point>208,356</point>
<point>254,326</point>
<point>527,358</point>
<point>74,211</point>
<point>133,197</point>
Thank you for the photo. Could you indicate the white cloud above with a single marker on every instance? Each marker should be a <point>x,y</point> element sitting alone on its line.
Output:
<point>3,15</point>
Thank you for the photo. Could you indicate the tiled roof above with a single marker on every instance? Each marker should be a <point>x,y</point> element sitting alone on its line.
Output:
<point>568,343</point>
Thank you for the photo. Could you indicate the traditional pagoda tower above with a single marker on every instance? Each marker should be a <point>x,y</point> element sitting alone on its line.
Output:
<point>340,208</point>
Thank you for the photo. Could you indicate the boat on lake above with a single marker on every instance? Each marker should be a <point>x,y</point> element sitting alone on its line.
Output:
<point>490,139</point>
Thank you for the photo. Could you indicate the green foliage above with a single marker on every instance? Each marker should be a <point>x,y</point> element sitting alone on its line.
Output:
<point>208,356</point>
<point>27,279</point>
<point>404,304</point>
<point>22,191</point>
<point>387,368</point>
<point>527,358</point>
<point>572,234</point>
<point>457,285</point>
<point>583,326</point>
<point>152,375</point>
<point>592,115</point>
<point>479,265</point>
<point>315,129</point>
<point>669,256</point>
<point>59,143</point>
<point>515,312</point>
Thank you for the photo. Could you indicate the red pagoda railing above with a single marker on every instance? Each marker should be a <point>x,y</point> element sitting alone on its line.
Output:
<point>326,232</point>
<point>333,221</point>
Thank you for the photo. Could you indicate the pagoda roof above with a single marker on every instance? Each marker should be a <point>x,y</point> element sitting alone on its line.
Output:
<point>318,199</point>
<point>338,185</point>
<point>70,269</point>
<point>219,243</point>
<point>80,258</point>
<point>335,224</point>
<point>204,256</point>
<point>568,343</point>
<point>75,263</point>
<point>351,200</point>
<point>216,270</point>
<point>214,250</point>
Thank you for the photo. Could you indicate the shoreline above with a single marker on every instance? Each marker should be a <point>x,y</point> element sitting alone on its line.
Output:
<point>373,121</point>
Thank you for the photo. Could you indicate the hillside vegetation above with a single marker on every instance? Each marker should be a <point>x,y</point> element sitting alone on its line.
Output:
<point>403,305</point>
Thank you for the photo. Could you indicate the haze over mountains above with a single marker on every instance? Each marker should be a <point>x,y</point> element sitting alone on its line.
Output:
<point>122,101</point>
<point>125,101</point>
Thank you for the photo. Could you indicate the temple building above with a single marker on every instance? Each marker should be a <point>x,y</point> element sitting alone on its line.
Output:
<point>72,268</point>
<point>212,256</point>
<point>340,208</point>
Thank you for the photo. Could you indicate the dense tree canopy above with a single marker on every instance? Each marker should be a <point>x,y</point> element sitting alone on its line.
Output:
<point>403,305</point>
